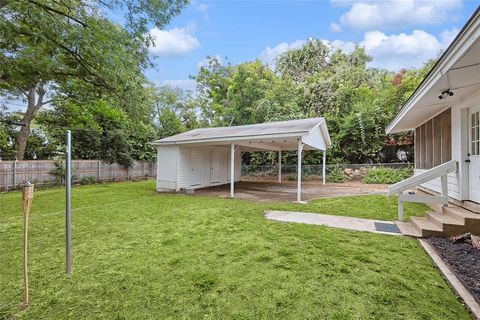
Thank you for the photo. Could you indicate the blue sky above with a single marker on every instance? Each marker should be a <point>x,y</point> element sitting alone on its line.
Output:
<point>396,33</point>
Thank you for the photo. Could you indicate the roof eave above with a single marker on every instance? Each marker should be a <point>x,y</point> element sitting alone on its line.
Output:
<point>444,62</point>
<point>239,138</point>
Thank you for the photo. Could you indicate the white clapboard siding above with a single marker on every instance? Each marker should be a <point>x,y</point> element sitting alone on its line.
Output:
<point>436,185</point>
<point>167,168</point>
<point>184,167</point>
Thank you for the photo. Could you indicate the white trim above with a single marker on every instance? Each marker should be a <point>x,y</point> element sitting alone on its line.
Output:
<point>232,170</point>
<point>299,171</point>
<point>324,164</point>
<point>236,139</point>
<point>422,199</point>
<point>280,166</point>
<point>259,146</point>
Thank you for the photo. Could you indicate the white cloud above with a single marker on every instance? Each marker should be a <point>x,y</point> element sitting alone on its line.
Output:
<point>447,36</point>
<point>402,50</point>
<point>334,27</point>
<point>370,14</point>
<point>185,84</point>
<point>345,46</point>
<point>174,42</point>
<point>204,61</point>
<point>393,52</point>
<point>269,55</point>
<point>202,7</point>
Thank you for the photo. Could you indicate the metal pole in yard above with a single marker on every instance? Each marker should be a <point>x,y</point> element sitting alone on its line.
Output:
<point>68,212</point>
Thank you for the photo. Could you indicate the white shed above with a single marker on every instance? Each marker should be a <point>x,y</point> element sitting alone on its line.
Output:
<point>203,157</point>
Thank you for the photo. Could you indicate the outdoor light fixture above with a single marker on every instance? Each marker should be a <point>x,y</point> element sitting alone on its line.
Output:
<point>445,94</point>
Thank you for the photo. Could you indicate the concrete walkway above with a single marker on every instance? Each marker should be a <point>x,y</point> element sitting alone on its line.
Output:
<point>350,223</point>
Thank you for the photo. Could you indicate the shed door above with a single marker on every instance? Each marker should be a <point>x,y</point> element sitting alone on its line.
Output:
<point>474,168</point>
<point>215,162</point>
<point>196,164</point>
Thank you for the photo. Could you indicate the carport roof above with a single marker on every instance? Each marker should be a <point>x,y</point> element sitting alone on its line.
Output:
<point>253,132</point>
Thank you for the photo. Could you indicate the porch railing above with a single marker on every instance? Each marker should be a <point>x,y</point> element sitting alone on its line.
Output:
<point>440,171</point>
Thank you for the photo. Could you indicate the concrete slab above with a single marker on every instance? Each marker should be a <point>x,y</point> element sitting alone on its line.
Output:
<point>350,223</point>
<point>287,191</point>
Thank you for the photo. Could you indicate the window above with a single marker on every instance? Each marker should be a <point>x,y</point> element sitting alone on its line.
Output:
<point>475,136</point>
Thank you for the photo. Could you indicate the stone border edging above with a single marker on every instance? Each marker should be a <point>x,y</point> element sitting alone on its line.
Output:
<point>452,279</point>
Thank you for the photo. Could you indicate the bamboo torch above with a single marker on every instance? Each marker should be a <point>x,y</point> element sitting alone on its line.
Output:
<point>27,204</point>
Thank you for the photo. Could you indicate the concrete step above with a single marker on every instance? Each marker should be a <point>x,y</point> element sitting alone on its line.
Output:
<point>449,225</point>
<point>462,214</point>
<point>426,227</point>
<point>408,229</point>
<point>441,219</point>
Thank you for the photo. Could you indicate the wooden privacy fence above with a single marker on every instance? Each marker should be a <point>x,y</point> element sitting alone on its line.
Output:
<point>42,172</point>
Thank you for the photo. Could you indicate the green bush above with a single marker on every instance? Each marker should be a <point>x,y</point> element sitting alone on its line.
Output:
<point>88,180</point>
<point>386,175</point>
<point>335,176</point>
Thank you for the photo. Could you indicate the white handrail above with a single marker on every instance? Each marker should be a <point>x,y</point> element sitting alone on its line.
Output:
<point>425,176</point>
<point>440,171</point>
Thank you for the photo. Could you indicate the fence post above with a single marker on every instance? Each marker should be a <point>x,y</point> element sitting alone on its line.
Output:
<point>15,173</point>
<point>98,170</point>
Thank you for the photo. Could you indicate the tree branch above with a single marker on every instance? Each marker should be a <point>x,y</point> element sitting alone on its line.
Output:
<point>50,9</point>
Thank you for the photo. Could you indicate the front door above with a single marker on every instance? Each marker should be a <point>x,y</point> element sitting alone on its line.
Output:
<point>474,148</point>
<point>215,166</point>
<point>196,172</point>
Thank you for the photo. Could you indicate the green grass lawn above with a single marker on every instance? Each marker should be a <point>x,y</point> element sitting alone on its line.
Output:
<point>138,255</point>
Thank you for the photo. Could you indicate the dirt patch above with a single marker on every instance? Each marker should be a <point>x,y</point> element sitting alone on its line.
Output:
<point>464,259</point>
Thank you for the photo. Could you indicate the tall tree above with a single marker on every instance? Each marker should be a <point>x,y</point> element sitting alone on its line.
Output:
<point>47,45</point>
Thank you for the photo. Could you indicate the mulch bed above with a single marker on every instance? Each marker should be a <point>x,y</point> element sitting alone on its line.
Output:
<point>463,258</point>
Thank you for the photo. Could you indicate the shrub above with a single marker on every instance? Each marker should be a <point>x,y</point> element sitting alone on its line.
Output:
<point>335,176</point>
<point>59,172</point>
<point>386,175</point>
<point>88,180</point>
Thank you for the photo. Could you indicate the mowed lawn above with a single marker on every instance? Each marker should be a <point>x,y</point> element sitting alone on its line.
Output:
<point>139,255</point>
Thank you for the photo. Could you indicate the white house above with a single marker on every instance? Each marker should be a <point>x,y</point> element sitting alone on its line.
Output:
<point>444,113</point>
<point>212,156</point>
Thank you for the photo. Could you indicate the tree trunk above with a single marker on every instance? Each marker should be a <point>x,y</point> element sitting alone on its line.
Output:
<point>33,105</point>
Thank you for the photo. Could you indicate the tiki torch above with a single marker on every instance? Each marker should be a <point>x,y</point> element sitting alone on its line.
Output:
<point>27,204</point>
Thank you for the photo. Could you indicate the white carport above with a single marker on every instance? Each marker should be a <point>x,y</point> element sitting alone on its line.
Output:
<point>221,148</point>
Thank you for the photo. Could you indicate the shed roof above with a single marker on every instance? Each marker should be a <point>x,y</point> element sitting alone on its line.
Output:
<point>271,131</point>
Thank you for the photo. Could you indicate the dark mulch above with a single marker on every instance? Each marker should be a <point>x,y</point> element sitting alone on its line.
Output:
<point>463,258</point>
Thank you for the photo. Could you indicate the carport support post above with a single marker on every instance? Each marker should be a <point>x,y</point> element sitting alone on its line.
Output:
<point>279,166</point>
<point>324,163</point>
<point>299,171</point>
<point>232,169</point>
<point>68,211</point>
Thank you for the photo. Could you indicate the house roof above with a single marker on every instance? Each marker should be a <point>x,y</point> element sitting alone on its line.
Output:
<point>273,135</point>
<point>457,69</point>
